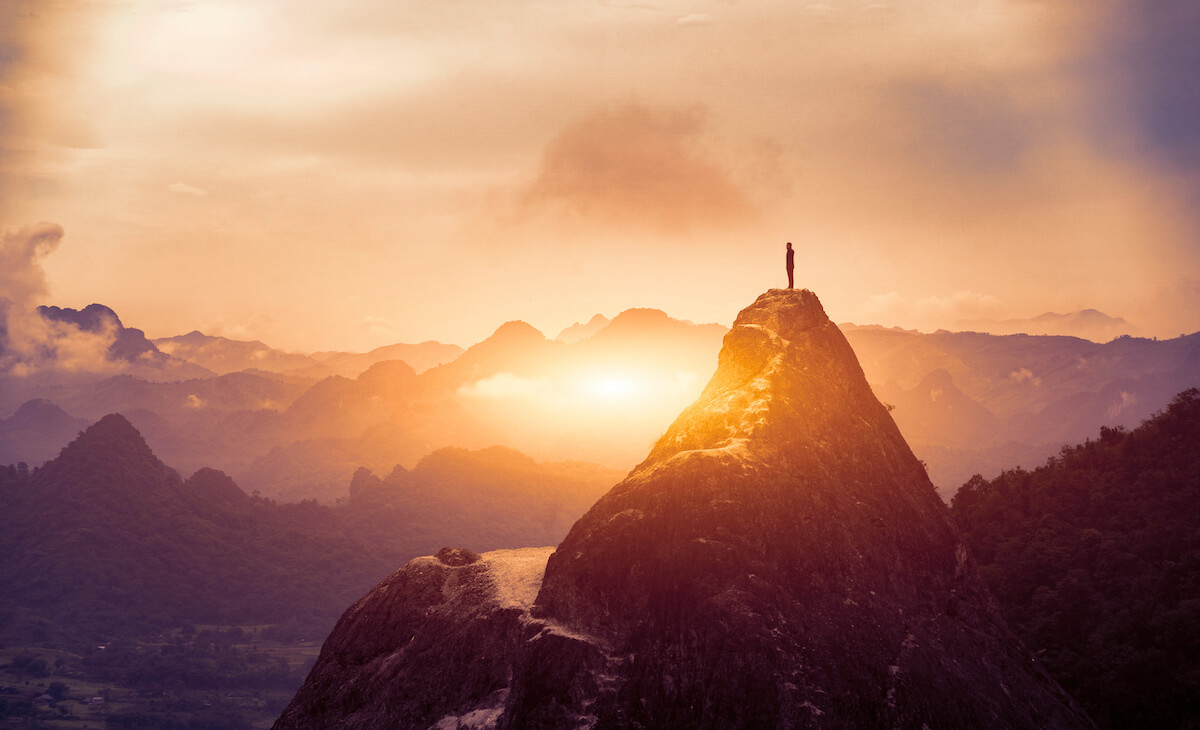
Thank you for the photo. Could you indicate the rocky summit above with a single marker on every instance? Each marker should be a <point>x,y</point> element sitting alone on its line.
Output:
<point>780,560</point>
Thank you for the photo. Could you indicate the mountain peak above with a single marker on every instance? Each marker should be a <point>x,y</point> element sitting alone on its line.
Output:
<point>111,458</point>
<point>112,439</point>
<point>783,522</point>
<point>92,318</point>
<point>113,431</point>
<point>580,330</point>
<point>639,315</point>
<point>517,330</point>
<point>38,409</point>
<point>128,343</point>
<point>785,374</point>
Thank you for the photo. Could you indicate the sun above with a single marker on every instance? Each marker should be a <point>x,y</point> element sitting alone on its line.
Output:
<point>612,388</point>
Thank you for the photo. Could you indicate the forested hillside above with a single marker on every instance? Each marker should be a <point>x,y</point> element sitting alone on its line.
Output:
<point>1095,557</point>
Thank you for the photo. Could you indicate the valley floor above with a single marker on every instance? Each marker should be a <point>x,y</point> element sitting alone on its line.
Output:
<point>215,678</point>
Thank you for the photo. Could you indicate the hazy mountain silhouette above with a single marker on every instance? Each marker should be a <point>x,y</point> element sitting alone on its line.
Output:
<point>515,347</point>
<point>1088,324</point>
<point>1041,392</point>
<point>419,357</point>
<point>779,560</point>
<point>652,339</point>
<point>35,432</point>
<point>1095,558</point>
<point>936,411</point>
<point>1006,400</point>
<point>582,330</point>
<point>106,540</point>
<point>223,355</point>
<point>492,498</point>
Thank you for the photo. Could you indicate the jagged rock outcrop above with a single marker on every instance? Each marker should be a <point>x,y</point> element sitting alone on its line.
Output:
<point>430,646</point>
<point>779,560</point>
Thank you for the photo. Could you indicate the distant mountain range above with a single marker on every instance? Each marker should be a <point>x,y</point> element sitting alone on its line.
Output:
<point>223,355</point>
<point>967,402</point>
<point>105,540</point>
<point>1088,324</point>
<point>977,403</point>
<point>583,330</point>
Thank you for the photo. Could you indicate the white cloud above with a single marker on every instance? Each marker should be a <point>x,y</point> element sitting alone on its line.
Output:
<point>1024,375</point>
<point>507,385</point>
<point>32,343</point>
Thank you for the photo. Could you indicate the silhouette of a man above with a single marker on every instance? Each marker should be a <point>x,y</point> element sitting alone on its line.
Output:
<point>791,264</point>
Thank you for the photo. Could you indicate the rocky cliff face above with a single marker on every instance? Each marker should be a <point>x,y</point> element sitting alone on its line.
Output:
<point>430,646</point>
<point>779,560</point>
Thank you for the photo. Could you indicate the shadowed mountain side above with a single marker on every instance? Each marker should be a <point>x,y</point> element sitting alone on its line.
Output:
<point>1095,559</point>
<point>779,560</point>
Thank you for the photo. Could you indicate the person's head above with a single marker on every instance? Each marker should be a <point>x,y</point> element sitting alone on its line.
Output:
<point>789,245</point>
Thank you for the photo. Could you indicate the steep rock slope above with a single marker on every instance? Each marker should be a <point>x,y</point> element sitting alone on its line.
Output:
<point>779,560</point>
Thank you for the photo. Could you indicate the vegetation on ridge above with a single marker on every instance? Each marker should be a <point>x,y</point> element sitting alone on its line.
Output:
<point>1095,558</point>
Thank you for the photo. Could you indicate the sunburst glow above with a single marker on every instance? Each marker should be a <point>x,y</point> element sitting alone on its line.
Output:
<point>613,388</point>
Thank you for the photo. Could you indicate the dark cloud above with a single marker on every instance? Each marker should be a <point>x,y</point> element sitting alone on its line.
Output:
<point>636,165</point>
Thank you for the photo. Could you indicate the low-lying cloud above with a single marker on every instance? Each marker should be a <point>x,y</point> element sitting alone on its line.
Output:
<point>29,342</point>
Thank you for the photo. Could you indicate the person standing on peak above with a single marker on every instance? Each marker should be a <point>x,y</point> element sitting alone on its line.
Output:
<point>791,264</point>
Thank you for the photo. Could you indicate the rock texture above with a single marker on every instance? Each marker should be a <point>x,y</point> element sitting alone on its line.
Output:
<point>779,560</point>
<point>430,646</point>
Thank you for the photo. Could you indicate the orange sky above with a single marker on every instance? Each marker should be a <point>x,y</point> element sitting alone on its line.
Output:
<point>325,175</point>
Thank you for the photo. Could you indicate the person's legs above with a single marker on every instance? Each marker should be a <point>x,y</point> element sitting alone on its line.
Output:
<point>791,283</point>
